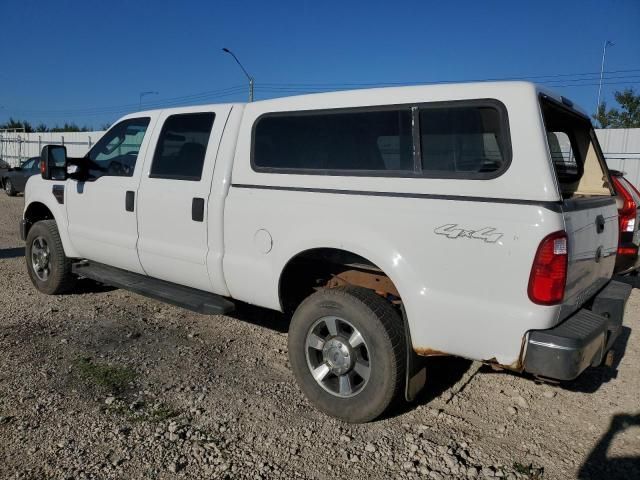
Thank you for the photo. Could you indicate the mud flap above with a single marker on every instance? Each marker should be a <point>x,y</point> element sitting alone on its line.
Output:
<point>416,373</point>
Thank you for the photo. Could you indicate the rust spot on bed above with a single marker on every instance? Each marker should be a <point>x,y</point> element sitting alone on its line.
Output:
<point>517,366</point>
<point>429,352</point>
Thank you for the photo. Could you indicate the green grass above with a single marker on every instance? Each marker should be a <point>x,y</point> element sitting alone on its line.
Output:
<point>163,412</point>
<point>116,380</point>
<point>159,413</point>
<point>113,378</point>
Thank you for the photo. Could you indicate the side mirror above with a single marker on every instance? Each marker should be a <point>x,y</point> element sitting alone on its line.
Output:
<point>53,162</point>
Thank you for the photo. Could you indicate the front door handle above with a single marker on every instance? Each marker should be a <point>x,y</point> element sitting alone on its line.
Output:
<point>197,210</point>
<point>129,201</point>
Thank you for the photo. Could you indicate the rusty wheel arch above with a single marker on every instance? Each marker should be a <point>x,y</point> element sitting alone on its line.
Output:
<point>318,268</point>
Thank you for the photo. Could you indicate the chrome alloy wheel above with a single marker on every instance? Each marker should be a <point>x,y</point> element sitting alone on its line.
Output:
<point>40,258</point>
<point>337,356</point>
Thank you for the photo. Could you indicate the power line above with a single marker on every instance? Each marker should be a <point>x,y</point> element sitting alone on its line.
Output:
<point>383,84</point>
<point>562,80</point>
<point>328,89</point>
<point>496,79</point>
<point>634,82</point>
<point>134,107</point>
<point>149,105</point>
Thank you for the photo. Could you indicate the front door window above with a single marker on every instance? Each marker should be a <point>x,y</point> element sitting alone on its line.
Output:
<point>116,152</point>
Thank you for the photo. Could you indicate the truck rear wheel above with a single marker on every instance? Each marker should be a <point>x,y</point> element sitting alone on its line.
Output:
<point>347,351</point>
<point>48,266</point>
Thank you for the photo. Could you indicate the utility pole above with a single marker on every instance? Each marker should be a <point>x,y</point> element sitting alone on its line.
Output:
<point>143,94</point>
<point>607,43</point>
<point>249,77</point>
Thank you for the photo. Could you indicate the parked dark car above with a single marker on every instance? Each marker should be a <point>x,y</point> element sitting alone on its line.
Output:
<point>628,199</point>
<point>15,179</point>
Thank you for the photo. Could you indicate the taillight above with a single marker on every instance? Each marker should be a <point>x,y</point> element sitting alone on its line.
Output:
<point>549,271</point>
<point>42,167</point>
<point>633,186</point>
<point>627,213</point>
<point>628,251</point>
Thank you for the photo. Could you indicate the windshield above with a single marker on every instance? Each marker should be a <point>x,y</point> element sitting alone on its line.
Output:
<point>575,153</point>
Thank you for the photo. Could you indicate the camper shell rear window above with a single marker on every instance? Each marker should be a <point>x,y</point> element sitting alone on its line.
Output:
<point>575,153</point>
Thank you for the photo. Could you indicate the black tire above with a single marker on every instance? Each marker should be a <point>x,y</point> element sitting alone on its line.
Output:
<point>9,189</point>
<point>382,331</point>
<point>59,278</point>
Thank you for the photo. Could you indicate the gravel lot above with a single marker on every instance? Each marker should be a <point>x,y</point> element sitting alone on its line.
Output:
<point>107,384</point>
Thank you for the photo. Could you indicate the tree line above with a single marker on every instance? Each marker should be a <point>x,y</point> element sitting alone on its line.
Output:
<point>628,116</point>
<point>43,127</point>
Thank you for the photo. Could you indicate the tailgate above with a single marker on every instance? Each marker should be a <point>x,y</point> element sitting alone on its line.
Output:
<point>589,206</point>
<point>592,233</point>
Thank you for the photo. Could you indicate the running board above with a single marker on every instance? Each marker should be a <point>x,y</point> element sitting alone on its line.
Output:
<point>190,298</point>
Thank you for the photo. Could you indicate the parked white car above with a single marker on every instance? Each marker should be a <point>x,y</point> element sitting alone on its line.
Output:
<point>394,223</point>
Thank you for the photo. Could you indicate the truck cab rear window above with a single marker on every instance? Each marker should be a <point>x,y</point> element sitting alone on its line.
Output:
<point>182,146</point>
<point>365,141</point>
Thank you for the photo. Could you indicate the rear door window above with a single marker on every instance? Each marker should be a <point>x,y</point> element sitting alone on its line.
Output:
<point>182,146</point>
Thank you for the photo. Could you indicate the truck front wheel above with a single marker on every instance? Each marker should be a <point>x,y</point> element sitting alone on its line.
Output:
<point>48,266</point>
<point>347,351</point>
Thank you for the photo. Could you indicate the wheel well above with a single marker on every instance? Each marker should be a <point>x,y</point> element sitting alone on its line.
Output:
<point>327,268</point>
<point>36,212</point>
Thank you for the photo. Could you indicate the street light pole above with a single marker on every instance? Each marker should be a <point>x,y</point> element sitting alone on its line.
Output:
<point>607,43</point>
<point>249,77</point>
<point>143,94</point>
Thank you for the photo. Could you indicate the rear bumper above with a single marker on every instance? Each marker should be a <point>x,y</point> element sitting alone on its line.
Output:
<point>582,340</point>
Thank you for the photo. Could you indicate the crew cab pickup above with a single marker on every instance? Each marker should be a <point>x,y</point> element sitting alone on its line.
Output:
<point>392,223</point>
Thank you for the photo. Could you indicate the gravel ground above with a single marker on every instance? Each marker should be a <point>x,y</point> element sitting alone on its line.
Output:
<point>106,384</point>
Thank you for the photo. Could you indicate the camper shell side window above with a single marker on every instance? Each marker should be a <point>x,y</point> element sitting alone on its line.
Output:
<point>466,139</point>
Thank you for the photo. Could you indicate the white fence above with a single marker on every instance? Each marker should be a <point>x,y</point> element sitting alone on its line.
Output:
<point>621,147</point>
<point>15,146</point>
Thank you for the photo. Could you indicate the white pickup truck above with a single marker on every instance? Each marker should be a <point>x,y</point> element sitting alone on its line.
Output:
<point>467,219</point>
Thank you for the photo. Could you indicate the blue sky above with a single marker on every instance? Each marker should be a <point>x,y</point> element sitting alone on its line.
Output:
<point>87,61</point>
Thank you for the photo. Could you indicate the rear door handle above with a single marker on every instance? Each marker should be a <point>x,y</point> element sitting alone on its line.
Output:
<point>197,210</point>
<point>129,201</point>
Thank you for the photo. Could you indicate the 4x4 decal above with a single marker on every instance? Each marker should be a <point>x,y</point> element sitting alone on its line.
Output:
<point>452,230</point>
